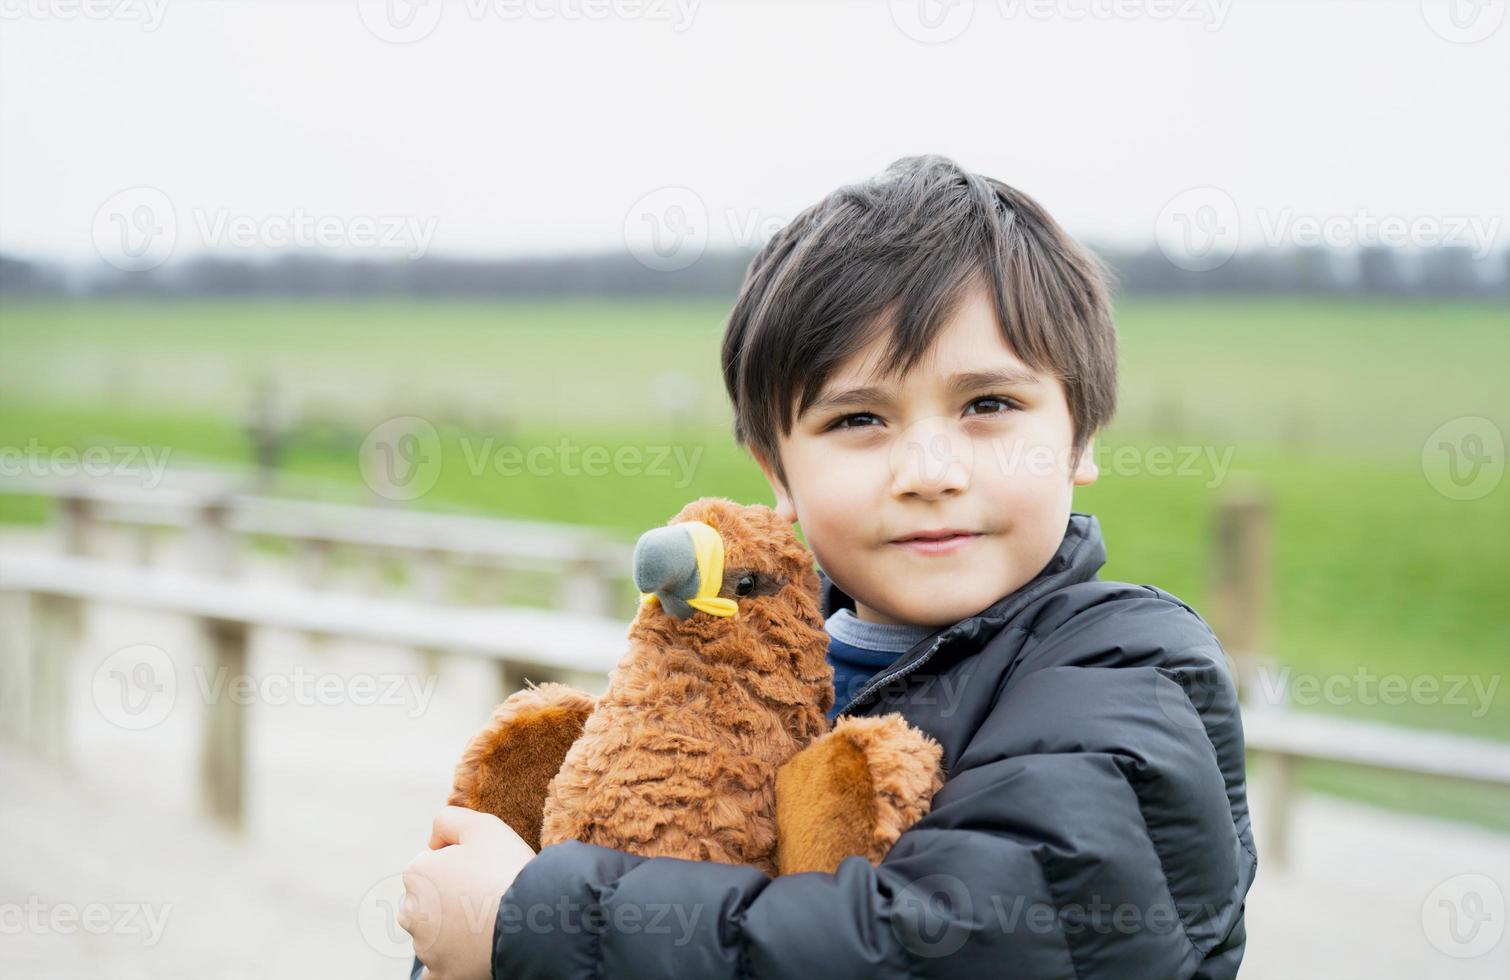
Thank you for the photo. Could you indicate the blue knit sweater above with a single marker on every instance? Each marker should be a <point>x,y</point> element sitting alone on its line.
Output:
<point>858,650</point>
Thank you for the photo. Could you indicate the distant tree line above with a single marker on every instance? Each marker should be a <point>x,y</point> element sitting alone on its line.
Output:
<point>1442,271</point>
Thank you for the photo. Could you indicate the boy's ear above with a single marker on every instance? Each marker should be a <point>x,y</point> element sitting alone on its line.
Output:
<point>784,508</point>
<point>1085,468</point>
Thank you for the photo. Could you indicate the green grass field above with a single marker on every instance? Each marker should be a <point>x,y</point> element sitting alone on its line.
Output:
<point>1325,404</point>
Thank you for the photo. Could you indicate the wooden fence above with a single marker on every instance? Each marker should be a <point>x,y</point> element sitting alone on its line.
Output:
<point>580,634</point>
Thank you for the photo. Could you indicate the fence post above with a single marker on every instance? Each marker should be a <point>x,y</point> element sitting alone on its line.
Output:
<point>1278,772</point>
<point>55,625</point>
<point>1241,557</point>
<point>73,524</point>
<point>47,642</point>
<point>15,665</point>
<point>429,576</point>
<point>314,562</point>
<point>223,740</point>
<point>588,591</point>
<point>212,546</point>
<point>223,749</point>
<point>1239,601</point>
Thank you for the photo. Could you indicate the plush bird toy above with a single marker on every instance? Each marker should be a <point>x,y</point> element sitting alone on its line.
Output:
<point>712,741</point>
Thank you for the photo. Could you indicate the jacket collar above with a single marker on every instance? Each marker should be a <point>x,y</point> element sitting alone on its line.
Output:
<point>1080,555</point>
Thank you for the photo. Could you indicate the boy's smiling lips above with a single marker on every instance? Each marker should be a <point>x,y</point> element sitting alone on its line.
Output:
<point>937,542</point>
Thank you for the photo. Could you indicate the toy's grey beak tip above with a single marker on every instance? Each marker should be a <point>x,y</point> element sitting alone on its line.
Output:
<point>665,564</point>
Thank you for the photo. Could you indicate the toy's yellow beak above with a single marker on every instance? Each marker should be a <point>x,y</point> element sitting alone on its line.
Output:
<point>681,567</point>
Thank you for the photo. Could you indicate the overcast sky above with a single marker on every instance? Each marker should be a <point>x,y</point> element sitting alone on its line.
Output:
<point>488,131</point>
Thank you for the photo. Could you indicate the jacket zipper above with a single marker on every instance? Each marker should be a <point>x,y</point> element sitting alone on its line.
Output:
<point>885,679</point>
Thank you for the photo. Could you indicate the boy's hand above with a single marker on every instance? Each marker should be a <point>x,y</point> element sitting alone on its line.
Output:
<point>452,891</point>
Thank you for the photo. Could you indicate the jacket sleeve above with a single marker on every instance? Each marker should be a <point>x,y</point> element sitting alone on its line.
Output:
<point>1085,831</point>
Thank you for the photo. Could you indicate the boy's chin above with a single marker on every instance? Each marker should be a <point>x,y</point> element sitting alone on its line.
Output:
<point>937,611</point>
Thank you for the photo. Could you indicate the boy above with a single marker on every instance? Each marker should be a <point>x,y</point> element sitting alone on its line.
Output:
<point>919,364</point>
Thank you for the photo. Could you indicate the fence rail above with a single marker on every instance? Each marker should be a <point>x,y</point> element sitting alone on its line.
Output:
<point>535,643</point>
<point>580,636</point>
<point>591,566</point>
<point>1285,740</point>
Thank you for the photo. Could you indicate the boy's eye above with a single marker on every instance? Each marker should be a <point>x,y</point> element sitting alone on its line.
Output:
<point>859,420</point>
<point>990,405</point>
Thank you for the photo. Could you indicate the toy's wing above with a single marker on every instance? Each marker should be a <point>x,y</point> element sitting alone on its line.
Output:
<point>853,791</point>
<point>508,766</point>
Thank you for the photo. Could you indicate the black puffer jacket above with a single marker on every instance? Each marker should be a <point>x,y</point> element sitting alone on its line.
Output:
<point>1094,822</point>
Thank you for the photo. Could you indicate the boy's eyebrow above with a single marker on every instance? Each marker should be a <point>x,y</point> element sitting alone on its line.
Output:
<point>1006,377</point>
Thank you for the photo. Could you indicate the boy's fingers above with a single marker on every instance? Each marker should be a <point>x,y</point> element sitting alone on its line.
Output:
<point>454,824</point>
<point>411,872</point>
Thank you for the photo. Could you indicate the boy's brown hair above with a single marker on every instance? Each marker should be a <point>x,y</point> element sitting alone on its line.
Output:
<point>897,252</point>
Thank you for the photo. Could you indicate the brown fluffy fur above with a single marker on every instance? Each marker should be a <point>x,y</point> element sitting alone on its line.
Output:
<point>508,766</point>
<point>680,757</point>
<point>853,792</point>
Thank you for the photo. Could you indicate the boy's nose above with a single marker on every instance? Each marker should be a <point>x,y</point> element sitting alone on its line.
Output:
<point>931,460</point>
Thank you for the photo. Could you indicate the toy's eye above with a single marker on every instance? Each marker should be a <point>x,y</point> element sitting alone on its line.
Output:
<point>746,584</point>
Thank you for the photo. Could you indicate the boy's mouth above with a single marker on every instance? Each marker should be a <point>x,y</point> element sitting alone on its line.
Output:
<point>936,542</point>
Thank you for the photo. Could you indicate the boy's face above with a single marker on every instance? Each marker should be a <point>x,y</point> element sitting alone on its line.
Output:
<point>969,440</point>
